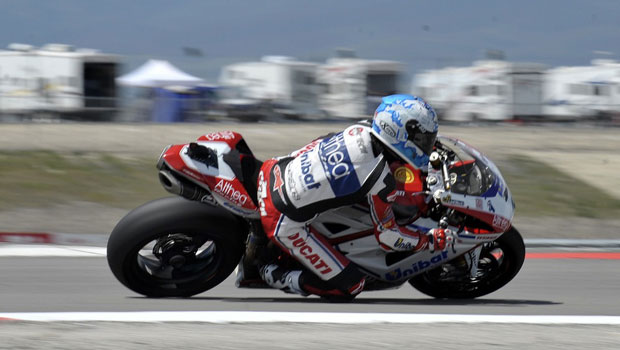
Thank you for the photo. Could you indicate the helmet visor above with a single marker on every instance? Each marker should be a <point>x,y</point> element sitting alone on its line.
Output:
<point>424,140</point>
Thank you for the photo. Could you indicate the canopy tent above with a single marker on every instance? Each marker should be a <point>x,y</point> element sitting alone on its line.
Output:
<point>156,73</point>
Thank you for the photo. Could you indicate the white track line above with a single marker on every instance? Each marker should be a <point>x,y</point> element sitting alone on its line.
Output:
<point>49,250</point>
<point>300,317</point>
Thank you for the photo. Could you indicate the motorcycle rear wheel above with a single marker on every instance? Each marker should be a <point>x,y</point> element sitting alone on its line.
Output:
<point>495,274</point>
<point>172,247</point>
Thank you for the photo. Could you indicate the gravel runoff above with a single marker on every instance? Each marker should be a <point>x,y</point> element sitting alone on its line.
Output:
<point>587,153</point>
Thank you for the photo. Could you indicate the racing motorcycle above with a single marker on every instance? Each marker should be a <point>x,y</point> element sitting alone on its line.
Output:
<point>187,244</point>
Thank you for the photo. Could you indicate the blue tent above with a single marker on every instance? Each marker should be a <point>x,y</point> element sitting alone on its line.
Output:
<point>176,105</point>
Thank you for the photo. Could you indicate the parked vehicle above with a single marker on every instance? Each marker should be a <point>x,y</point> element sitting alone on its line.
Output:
<point>57,79</point>
<point>353,87</point>
<point>489,90</point>
<point>582,92</point>
<point>185,245</point>
<point>285,84</point>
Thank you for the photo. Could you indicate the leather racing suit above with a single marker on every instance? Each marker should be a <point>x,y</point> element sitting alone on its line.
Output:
<point>338,170</point>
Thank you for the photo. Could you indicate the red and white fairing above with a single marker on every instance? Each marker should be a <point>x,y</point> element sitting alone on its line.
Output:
<point>226,189</point>
<point>494,206</point>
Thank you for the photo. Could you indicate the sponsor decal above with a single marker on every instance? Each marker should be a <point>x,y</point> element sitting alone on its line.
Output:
<point>501,222</point>
<point>192,174</point>
<point>228,191</point>
<point>236,209</point>
<point>334,154</point>
<point>496,189</point>
<point>356,131</point>
<point>277,181</point>
<point>478,203</point>
<point>490,206</point>
<point>306,251</point>
<point>262,193</point>
<point>306,170</point>
<point>359,140</point>
<point>404,175</point>
<point>395,194</point>
<point>457,203</point>
<point>306,148</point>
<point>400,244</point>
<point>220,135</point>
<point>388,129</point>
<point>337,165</point>
<point>292,186</point>
<point>415,267</point>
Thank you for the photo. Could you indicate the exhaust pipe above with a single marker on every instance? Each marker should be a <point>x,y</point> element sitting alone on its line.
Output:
<point>181,187</point>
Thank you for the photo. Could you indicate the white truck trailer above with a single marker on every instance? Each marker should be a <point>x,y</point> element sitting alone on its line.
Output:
<point>353,87</point>
<point>287,85</point>
<point>490,90</point>
<point>583,92</point>
<point>57,80</point>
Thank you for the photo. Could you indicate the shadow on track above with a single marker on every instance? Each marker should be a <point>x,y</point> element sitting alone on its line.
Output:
<point>378,301</point>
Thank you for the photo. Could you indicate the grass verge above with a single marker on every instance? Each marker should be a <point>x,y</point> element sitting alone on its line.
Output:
<point>41,179</point>
<point>541,190</point>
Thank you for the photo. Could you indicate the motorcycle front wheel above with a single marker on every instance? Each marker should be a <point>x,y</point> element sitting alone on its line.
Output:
<point>173,247</point>
<point>500,261</point>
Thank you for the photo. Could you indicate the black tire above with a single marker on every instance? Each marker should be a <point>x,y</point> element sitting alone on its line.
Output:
<point>175,223</point>
<point>510,244</point>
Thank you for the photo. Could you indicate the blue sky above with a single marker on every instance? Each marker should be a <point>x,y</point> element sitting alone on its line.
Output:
<point>422,34</point>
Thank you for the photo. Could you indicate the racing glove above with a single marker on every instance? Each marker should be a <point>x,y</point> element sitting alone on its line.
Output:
<point>440,239</point>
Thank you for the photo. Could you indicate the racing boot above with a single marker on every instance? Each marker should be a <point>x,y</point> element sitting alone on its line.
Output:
<point>279,278</point>
<point>305,283</point>
<point>344,287</point>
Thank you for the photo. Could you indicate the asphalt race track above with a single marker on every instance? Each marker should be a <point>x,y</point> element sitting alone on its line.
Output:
<point>577,292</point>
<point>76,284</point>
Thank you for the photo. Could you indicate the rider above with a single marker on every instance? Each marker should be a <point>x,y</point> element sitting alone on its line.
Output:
<point>360,164</point>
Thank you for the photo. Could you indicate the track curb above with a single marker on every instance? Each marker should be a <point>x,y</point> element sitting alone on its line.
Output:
<point>571,243</point>
<point>68,239</point>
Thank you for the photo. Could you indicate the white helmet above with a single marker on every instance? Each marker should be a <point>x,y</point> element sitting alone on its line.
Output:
<point>408,126</point>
